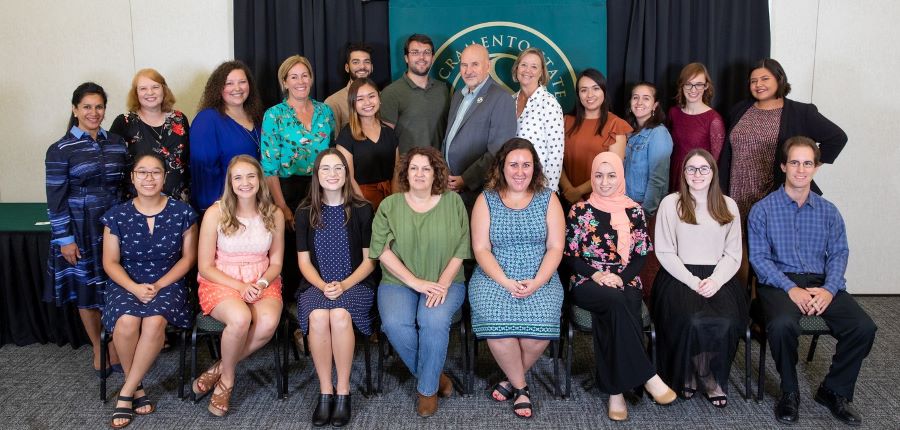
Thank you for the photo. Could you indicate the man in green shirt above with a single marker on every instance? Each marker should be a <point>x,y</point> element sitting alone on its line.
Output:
<point>416,105</point>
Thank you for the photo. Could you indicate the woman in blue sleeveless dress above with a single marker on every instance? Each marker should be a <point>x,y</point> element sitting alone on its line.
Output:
<point>518,234</point>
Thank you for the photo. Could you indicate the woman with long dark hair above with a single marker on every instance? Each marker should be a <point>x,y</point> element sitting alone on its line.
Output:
<point>85,170</point>
<point>334,227</point>
<point>648,149</point>
<point>590,129</point>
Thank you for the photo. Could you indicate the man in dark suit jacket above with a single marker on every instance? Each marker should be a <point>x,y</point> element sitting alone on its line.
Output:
<point>482,118</point>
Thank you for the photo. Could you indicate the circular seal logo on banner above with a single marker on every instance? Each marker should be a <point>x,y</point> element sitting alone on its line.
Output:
<point>504,41</point>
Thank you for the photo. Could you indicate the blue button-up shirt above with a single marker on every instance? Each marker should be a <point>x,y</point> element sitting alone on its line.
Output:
<point>468,98</point>
<point>785,238</point>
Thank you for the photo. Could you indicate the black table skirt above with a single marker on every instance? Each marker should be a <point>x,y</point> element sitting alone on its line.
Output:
<point>24,317</point>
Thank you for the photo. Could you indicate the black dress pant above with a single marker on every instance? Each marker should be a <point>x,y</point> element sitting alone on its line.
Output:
<point>619,355</point>
<point>850,324</point>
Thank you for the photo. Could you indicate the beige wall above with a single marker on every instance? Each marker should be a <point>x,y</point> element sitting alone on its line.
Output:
<point>841,56</point>
<point>49,47</point>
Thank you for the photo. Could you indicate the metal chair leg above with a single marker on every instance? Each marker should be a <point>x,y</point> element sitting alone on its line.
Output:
<point>760,384</point>
<point>193,363</point>
<point>812,348</point>
<point>571,352</point>
<point>182,368</point>
<point>367,354</point>
<point>104,345</point>
<point>379,370</point>
<point>747,341</point>
<point>554,345</point>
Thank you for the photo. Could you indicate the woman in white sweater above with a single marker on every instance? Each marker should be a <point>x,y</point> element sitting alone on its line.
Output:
<point>699,306</point>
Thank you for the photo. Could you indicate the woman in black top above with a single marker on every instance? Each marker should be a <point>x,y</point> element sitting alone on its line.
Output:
<point>153,126</point>
<point>369,145</point>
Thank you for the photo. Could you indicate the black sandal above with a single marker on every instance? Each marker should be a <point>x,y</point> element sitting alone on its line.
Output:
<point>713,399</point>
<point>142,401</point>
<point>688,393</point>
<point>523,405</point>
<point>122,413</point>
<point>507,393</point>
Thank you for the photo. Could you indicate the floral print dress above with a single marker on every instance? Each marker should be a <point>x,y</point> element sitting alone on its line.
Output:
<point>169,140</point>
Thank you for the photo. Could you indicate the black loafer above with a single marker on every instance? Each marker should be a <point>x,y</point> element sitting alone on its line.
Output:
<point>786,410</point>
<point>839,406</point>
<point>341,415</point>
<point>322,414</point>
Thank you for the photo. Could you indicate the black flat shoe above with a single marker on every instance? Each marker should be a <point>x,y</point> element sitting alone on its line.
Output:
<point>839,406</point>
<point>341,415</point>
<point>322,414</point>
<point>786,410</point>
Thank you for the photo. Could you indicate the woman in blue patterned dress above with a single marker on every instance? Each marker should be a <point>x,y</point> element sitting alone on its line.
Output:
<point>334,227</point>
<point>149,244</point>
<point>518,234</point>
<point>85,170</point>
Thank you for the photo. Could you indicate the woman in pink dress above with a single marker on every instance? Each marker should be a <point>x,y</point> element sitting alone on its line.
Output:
<point>692,123</point>
<point>239,260</point>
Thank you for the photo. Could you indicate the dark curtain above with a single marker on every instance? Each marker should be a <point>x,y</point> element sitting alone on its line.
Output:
<point>651,40</point>
<point>268,31</point>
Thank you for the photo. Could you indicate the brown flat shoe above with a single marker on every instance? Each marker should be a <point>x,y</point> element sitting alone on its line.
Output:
<point>665,398</point>
<point>427,405</point>
<point>218,403</point>
<point>445,386</point>
<point>206,381</point>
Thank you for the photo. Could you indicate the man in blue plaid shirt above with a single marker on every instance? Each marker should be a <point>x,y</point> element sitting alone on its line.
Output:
<point>798,249</point>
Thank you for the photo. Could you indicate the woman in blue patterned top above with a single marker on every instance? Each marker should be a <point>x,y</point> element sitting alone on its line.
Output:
<point>518,233</point>
<point>84,178</point>
<point>295,131</point>
<point>227,125</point>
<point>334,227</point>
<point>149,244</point>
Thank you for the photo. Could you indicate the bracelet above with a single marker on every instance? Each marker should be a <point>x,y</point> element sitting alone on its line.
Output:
<point>263,282</point>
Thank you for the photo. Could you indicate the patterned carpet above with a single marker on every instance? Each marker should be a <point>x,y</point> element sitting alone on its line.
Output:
<point>50,387</point>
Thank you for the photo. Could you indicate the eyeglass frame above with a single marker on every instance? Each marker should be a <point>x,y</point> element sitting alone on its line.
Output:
<point>688,172</point>
<point>689,86</point>
<point>142,175</point>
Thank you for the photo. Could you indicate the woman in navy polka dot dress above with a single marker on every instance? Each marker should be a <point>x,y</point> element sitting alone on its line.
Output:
<point>149,243</point>
<point>334,226</point>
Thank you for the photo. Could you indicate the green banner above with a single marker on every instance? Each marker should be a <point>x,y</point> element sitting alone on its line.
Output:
<point>572,35</point>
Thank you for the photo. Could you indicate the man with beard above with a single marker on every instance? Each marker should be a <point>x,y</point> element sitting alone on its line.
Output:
<point>358,65</point>
<point>416,104</point>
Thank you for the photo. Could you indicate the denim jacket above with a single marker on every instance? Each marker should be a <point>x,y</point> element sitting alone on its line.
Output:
<point>647,166</point>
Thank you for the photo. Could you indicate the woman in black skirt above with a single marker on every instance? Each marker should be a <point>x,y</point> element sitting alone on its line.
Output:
<point>606,283</point>
<point>699,307</point>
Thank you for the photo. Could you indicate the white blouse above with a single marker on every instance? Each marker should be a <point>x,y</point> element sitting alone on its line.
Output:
<point>541,123</point>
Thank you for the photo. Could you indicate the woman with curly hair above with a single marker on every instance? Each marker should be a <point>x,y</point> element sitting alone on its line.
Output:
<point>227,125</point>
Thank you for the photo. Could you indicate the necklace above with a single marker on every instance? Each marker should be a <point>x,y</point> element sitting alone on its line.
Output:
<point>253,138</point>
<point>162,128</point>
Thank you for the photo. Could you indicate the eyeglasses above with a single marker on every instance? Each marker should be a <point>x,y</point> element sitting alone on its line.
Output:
<point>796,163</point>
<point>337,168</point>
<point>143,174</point>
<point>703,170</point>
<point>416,53</point>
<point>689,86</point>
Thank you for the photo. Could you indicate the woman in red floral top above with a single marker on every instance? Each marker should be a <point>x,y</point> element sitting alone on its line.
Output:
<point>152,125</point>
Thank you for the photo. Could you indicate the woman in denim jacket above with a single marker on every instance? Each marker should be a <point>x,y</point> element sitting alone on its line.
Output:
<point>648,149</point>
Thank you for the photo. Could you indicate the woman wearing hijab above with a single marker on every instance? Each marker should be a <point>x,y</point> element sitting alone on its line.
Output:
<point>606,282</point>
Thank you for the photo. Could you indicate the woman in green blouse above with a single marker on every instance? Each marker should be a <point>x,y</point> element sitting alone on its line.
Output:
<point>421,236</point>
<point>294,132</point>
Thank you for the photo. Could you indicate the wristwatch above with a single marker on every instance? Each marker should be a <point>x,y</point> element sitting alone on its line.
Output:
<point>263,283</point>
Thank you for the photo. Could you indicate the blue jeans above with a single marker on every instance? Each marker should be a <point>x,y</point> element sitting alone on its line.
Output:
<point>419,334</point>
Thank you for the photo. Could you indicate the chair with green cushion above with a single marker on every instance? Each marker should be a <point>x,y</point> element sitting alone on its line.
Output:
<point>292,324</point>
<point>582,320</point>
<point>810,325</point>
<point>205,326</point>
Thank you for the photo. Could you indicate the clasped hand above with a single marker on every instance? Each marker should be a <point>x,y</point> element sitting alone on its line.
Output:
<point>522,288</point>
<point>708,288</point>
<point>251,293</point>
<point>146,292</point>
<point>435,292</point>
<point>608,279</point>
<point>811,301</point>
<point>333,290</point>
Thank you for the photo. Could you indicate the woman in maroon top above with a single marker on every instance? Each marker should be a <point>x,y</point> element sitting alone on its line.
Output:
<point>692,123</point>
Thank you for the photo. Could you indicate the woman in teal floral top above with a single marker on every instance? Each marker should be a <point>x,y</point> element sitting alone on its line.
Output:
<point>606,282</point>
<point>294,132</point>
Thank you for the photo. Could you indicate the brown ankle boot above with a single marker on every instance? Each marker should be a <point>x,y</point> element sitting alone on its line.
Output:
<point>445,386</point>
<point>427,405</point>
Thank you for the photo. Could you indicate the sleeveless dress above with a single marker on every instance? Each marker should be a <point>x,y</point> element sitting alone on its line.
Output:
<point>333,255</point>
<point>518,242</point>
<point>146,257</point>
<point>243,255</point>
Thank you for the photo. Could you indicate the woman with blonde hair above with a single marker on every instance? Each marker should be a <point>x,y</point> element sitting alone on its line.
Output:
<point>239,260</point>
